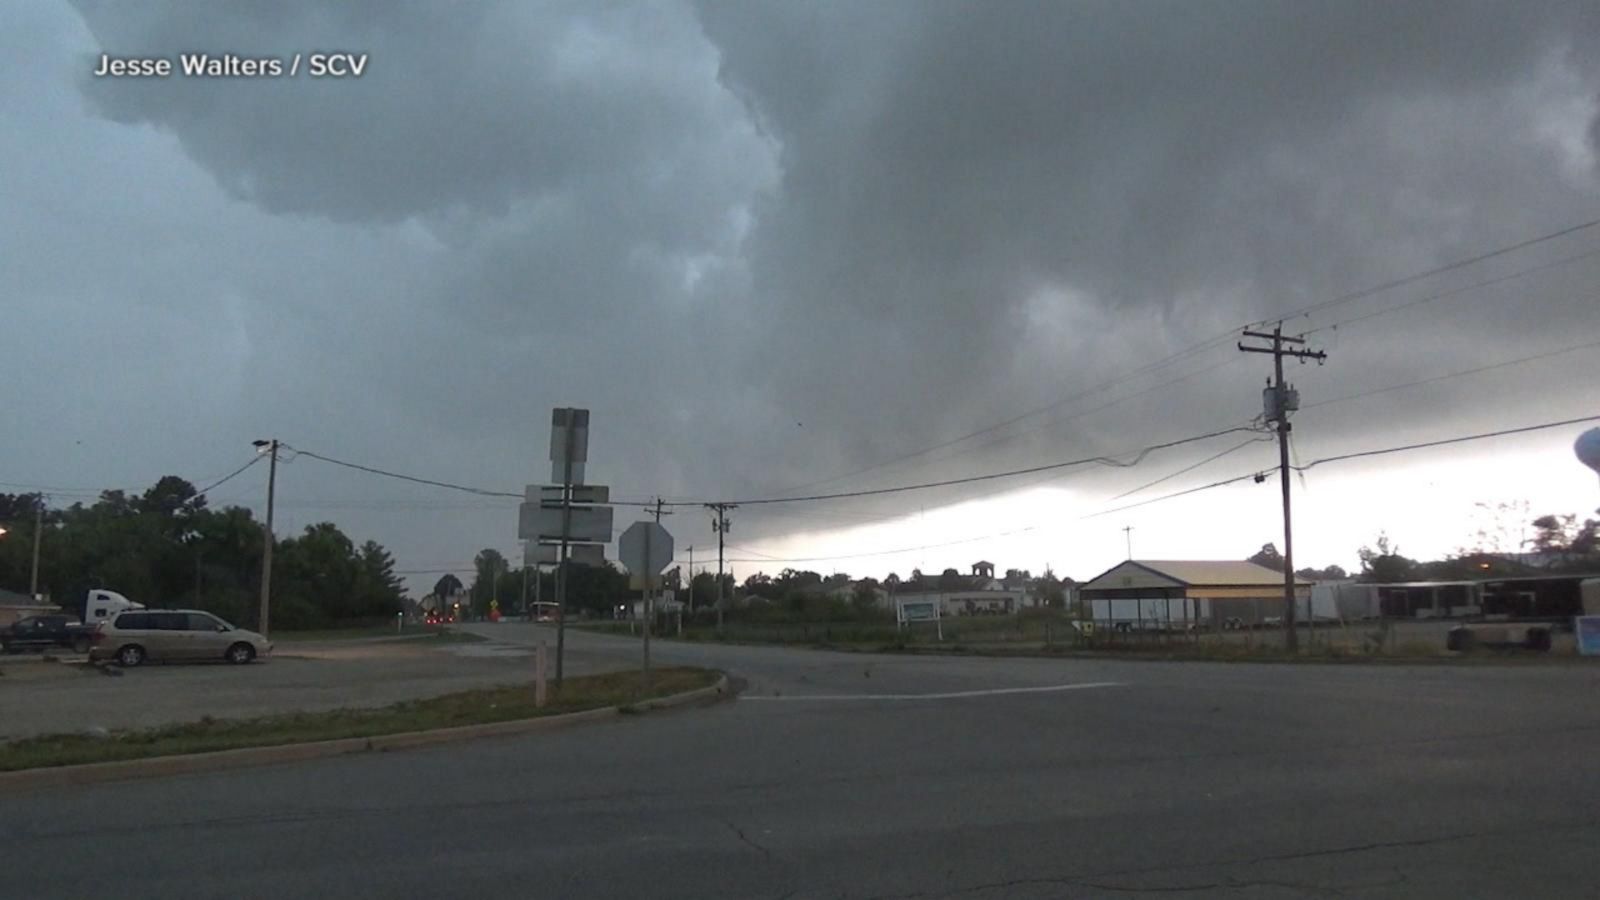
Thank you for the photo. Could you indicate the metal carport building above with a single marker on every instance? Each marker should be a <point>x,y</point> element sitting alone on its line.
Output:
<point>1173,594</point>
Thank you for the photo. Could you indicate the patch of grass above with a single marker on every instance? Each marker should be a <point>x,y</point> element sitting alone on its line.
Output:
<point>501,704</point>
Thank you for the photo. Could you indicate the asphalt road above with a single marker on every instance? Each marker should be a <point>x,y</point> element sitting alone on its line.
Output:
<point>852,776</point>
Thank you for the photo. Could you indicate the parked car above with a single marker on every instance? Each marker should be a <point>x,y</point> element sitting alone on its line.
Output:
<point>169,635</point>
<point>43,632</point>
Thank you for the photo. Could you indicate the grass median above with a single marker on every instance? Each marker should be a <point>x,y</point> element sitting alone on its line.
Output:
<point>477,707</point>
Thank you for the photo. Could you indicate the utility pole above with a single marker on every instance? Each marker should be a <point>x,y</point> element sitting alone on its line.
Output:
<point>38,531</point>
<point>691,579</point>
<point>1127,532</point>
<point>271,448</point>
<point>658,514</point>
<point>1280,400</point>
<point>719,524</point>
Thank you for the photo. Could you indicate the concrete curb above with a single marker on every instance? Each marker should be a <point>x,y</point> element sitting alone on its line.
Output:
<point>244,757</point>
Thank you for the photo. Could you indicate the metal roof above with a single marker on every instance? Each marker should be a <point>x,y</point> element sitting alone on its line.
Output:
<point>1218,572</point>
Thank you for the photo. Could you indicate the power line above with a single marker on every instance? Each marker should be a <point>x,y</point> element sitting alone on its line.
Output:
<point>1223,337</point>
<point>1263,475</point>
<point>482,492</point>
<point>411,478</point>
<point>970,540</point>
<point>53,488</point>
<point>1439,270</point>
<point>1039,411</point>
<point>1458,290</point>
<point>768,558</point>
<point>1473,371</point>
<point>227,478</point>
<point>949,482</point>
<point>1190,468</point>
<point>1259,476</point>
<point>863,521</point>
<point>1446,441</point>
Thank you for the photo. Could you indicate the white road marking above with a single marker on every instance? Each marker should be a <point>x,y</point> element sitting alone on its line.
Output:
<point>989,692</point>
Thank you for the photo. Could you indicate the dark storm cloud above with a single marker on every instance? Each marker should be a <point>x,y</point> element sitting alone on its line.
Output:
<point>772,242</point>
<point>465,108</point>
<point>1170,167</point>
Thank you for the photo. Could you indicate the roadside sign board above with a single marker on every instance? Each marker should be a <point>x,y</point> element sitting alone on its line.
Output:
<point>577,554</point>
<point>582,495</point>
<point>588,524</point>
<point>569,429</point>
<point>1587,629</point>
<point>645,548</point>
<point>917,610</point>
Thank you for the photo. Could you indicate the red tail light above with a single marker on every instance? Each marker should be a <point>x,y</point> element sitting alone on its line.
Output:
<point>99,633</point>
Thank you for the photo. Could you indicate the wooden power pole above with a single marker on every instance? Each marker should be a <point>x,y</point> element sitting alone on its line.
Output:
<point>1280,400</point>
<point>719,524</point>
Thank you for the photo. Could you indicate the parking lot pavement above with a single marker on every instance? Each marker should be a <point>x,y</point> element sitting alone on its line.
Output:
<point>58,697</point>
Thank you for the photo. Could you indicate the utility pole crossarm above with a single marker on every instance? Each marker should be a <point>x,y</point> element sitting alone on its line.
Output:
<point>1275,337</point>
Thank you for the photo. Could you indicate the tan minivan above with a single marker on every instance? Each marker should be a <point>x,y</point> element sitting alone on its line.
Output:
<point>166,635</point>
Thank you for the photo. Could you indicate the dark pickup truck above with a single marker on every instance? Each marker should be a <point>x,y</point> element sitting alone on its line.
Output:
<point>43,632</point>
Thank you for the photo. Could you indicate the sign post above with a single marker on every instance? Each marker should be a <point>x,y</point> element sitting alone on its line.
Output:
<point>645,548</point>
<point>538,675</point>
<point>908,611</point>
<point>565,522</point>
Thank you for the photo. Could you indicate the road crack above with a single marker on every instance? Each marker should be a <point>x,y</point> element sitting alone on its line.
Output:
<point>745,839</point>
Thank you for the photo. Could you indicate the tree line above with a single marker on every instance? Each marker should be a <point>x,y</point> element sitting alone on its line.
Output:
<point>1559,544</point>
<point>167,548</point>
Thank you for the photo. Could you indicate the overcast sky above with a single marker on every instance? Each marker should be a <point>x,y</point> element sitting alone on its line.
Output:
<point>771,244</point>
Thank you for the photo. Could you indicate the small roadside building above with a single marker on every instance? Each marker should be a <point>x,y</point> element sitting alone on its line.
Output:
<point>1146,594</point>
<point>14,606</point>
<point>978,594</point>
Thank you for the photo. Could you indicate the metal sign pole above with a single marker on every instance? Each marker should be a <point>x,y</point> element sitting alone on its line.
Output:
<point>566,532</point>
<point>648,619</point>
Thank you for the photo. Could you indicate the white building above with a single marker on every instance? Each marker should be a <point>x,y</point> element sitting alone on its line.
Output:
<point>978,594</point>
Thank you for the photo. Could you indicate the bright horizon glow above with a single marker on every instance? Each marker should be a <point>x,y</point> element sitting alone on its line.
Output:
<point>1427,502</point>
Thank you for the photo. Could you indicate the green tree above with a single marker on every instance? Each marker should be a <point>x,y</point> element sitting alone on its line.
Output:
<point>166,547</point>
<point>489,565</point>
<point>758,585</point>
<point>1051,591</point>
<point>1383,563</point>
<point>1268,556</point>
